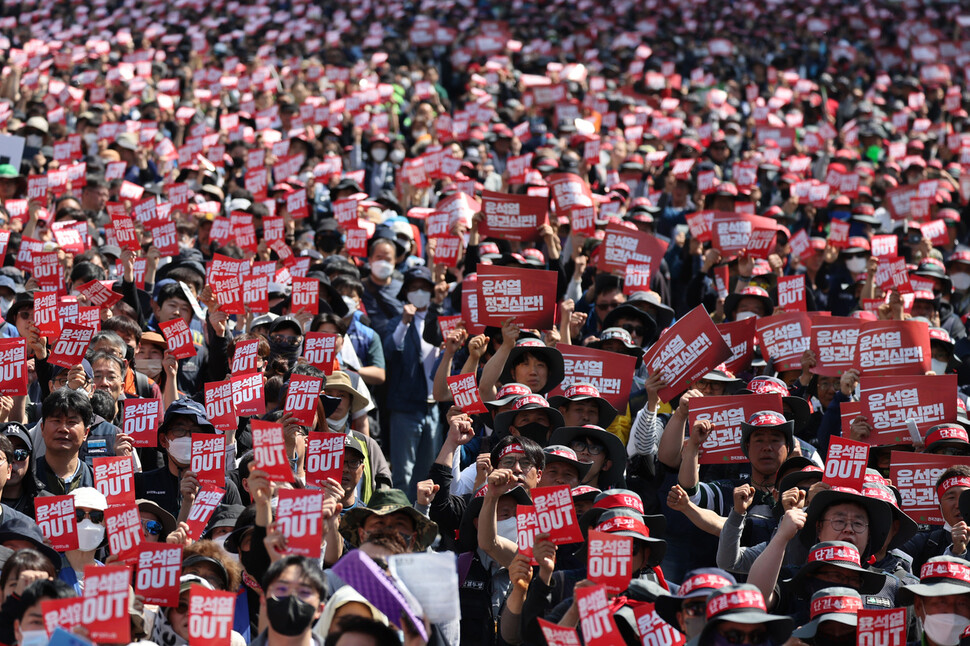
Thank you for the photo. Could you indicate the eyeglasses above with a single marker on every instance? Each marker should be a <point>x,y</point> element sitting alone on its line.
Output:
<point>284,338</point>
<point>634,329</point>
<point>592,448</point>
<point>839,524</point>
<point>693,609</point>
<point>19,455</point>
<point>151,527</point>
<point>604,307</point>
<point>509,462</point>
<point>353,463</point>
<point>754,637</point>
<point>25,314</point>
<point>96,515</point>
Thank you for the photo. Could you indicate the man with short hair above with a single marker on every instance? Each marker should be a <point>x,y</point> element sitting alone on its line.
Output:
<point>951,539</point>
<point>66,422</point>
<point>294,591</point>
<point>109,375</point>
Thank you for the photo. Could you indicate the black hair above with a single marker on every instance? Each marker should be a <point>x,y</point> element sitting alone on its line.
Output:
<point>122,325</point>
<point>311,574</point>
<point>332,319</point>
<point>67,401</point>
<point>187,276</point>
<point>23,560</point>
<point>382,634</point>
<point>170,290</point>
<point>86,272</point>
<point>532,450</point>
<point>956,471</point>
<point>41,590</point>
<point>104,404</point>
<point>6,447</point>
<point>341,281</point>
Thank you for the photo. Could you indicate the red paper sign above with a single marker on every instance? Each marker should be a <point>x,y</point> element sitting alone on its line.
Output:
<point>740,338</point>
<point>320,349</point>
<point>883,627</point>
<point>623,247</point>
<point>13,367</point>
<point>205,503</point>
<point>62,613</point>
<point>141,421</point>
<point>915,476</point>
<point>179,338</point>
<point>46,270</point>
<point>637,279</point>
<point>686,352</point>
<point>447,324</point>
<point>470,312</point>
<point>306,295</point>
<point>846,462</point>
<point>609,560</point>
<point>513,217</point>
<point>527,526</point>
<point>299,520</point>
<point>573,198</point>
<point>302,396</point>
<point>609,372</point>
<point>791,293</point>
<point>654,630</point>
<point>210,616</point>
<point>784,337</point>
<point>556,514</point>
<point>891,402</point>
<point>556,635</point>
<point>104,610</point>
<point>834,340</point>
<point>730,232</point>
<point>100,294</point>
<point>884,246</point>
<point>123,524</point>
<point>244,357</point>
<point>208,461</point>
<point>527,295</point>
<point>324,457</point>
<point>464,391</point>
<point>247,394</point>
<point>159,571</point>
<point>45,314</point>
<point>218,405</point>
<point>270,451</point>
<point>596,622</point>
<point>55,517</point>
<point>839,234</point>
<point>893,348</point>
<point>726,413</point>
<point>114,477</point>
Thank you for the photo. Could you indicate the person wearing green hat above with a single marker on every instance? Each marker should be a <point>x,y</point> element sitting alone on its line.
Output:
<point>10,182</point>
<point>389,512</point>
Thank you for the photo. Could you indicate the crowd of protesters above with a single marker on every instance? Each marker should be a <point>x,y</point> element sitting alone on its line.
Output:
<point>208,208</point>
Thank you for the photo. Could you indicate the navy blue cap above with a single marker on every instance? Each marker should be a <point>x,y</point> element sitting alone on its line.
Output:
<point>188,408</point>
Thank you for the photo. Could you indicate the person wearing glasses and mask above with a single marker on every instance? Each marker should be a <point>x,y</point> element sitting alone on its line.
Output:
<point>21,486</point>
<point>294,591</point>
<point>89,507</point>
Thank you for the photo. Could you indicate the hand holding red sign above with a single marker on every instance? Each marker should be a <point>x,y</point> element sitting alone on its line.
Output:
<point>302,396</point>
<point>13,367</point>
<point>324,457</point>
<point>123,524</point>
<point>105,605</point>
<point>596,622</point>
<point>45,314</point>
<point>210,616</point>
<point>141,421</point>
<point>464,390</point>
<point>248,397</point>
<point>298,518</point>
<point>205,503</point>
<point>55,517</point>
<point>320,350</point>
<point>208,461</point>
<point>159,570</point>
<point>686,352</point>
<point>609,560</point>
<point>723,442</point>
<point>114,477</point>
<point>218,405</point>
<point>179,338</point>
<point>556,514</point>
<point>71,346</point>
<point>528,295</point>
<point>270,451</point>
<point>556,635</point>
<point>846,462</point>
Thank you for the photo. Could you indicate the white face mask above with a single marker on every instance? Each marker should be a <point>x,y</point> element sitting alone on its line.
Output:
<point>350,303</point>
<point>397,156</point>
<point>5,304</point>
<point>939,367</point>
<point>381,269</point>
<point>378,154</point>
<point>856,265</point>
<point>150,367</point>
<point>180,450</point>
<point>740,316</point>
<point>337,423</point>
<point>89,535</point>
<point>420,298</point>
<point>961,281</point>
<point>507,529</point>
<point>33,638</point>
<point>945,628</point>
<point>35,141</point>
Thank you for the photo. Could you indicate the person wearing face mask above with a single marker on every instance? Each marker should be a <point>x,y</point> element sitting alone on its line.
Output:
<point>844,275</point>
<point>328,239</point>
<point>378,170</point>
<point>285,340</point>
<point>8,292</point>
<point>29,628</point>
<point>941,600</point>
<point>89,507</point>
<point>294,591</point>
<point>382,285</point>
<point>958,269</point>
<point>411,362</point>
<point>748,301</point>
<point>835,618</point>
<point>685,610</point>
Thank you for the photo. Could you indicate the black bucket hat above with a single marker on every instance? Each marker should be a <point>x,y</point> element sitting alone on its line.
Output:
<point>615,450</point>
<point>751,291</point>
<point>841,605</point>
<point>697,584</point>
<point>879,512</point>
<point>627,311</point>
<point>800,409</point>
<point>767,420</point>
<point>743,604</point>
<point>550,356</point>
<point>842,555</point>
<point>528,402</point>
<point>578,392</point>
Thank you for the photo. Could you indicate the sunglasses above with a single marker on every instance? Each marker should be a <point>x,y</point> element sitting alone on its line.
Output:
<point>19,455</point>
<point>634,329</point>
<point>590,447</point>
<point>96,515</point>
<point>152,527</point>
<point>755,637</point>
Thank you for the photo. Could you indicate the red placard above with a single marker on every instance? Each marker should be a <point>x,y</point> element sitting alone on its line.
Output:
<point>893,348</point>
<point>609,560</point>
<point>839,234</point>
<point>141,421</point>
<point>179,338</point>
<point>611,373</point>
<point>159,570</point>
<point>123,524</point>
<point>470,312</point>
<point>210,616</point>
<point>345,212</point>
<point>513,217</point>
<point>205,503</point>
<point>846,462</point>
<point>726,413</point>
<point>13,367</point>
<point>464,391</point>
<point>731,231</point>
<point>891,274</point>
<point>686,351</point>
<point>248,398</point>
<point>298,518</point>
<point>572,197</point>
<point>218,405</point>
<point>623,247</point>
<point>255,293</point>
<point>740,338</point>
<point>660,632</point>
<point>833,343</point>
<point>46,270</point>
<point>884,627</point>
<point>62,613</point>
<point>105,605</point>
<point>848,412</point>
<point>527,295</point>
<point>636,279</point>
<point>556,635</point>
<point>55,517</point>
<point>45,314</point>
<point>270,451</point>
<point>518,167</point>
<point>556,514</point>
<point>527,526</point>
<point>890,403</point>
<point>791,293</point>
<point>302,396</point>
<point>915,476</point>
<point>784,337</point>
<point>324,457</point>
<point>596,622</point>
<point>447,324</point>
<point>884,246</point>
<point>700,225</point>
<point>244,357</point>
<point>320,350</point>
<point>306,295</point>
<point>100,294</point>
<point>114,477</point>
<point>208,461</point>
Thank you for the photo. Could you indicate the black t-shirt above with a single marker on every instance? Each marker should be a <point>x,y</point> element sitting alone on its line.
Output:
<point>161,486</point>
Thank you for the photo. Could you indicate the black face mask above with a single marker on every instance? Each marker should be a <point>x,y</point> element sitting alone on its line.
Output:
<point>255,564</point>
<point>535,431</point>
<point>289,616</point>
<point>284,349</point>
<point>328,244</point>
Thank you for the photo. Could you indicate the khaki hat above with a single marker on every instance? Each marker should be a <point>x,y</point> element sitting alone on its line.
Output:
<point>340,380</point>
<point>154,337</point>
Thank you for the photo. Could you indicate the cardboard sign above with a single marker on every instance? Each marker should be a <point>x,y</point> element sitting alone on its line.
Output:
<point>320,350</point>
<point>245,356</point>
<point>556,635</point>
<point>205,503</point>
<point>248,398</point>
<point>513,217</point>
<point>893,348</point>
<point>179,338</point>
<point>270,451</point>
<point>218,405</point>
<point>654,630</point>
<point>915,476</point>
<point>891,402</point>
<point>527,526</point>
<point>834,340</point>
<point>13,367</point>
<point>208,461</point>
<point>471,315</point>
<point>114,477</point>
<point>302,396</point>
<point>45,314</point>
<point>740,338</point>
<point>210,616</point>
<point>596,622</point>
<point>846,462</point>
<point>57,522</point>
<point>556,514</point>
<point>141,421</point>
<point>723,443</point>
<point>464,391</point>
<point>324,458</point>
<point>609,560</point>
<point>791,293</point>
<point>784,337</point>
<point>686,351</point>
<point>298,518</point>
<point>159,570</point>
<point>623,247</point>
<point>123,525</point>
<point>62,614</point>
<point>104,610</point>
<point>306,295</point>
<point>611,373</point>
<point>881,627</point>
<point>527,295</point>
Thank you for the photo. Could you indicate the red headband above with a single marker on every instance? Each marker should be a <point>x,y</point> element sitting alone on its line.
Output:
<point>833,553</point>
<point>945,570</point>
<point>949,483</point>
<point>624,523</point>
<point>619,500</point>
<point>702,582</point>
<point>514,447</point>
<point>737,600</point>
<point>581,390</point>
<point>825,605</point>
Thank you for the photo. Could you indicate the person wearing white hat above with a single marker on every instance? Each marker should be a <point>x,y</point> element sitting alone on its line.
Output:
<point>89,507</point>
